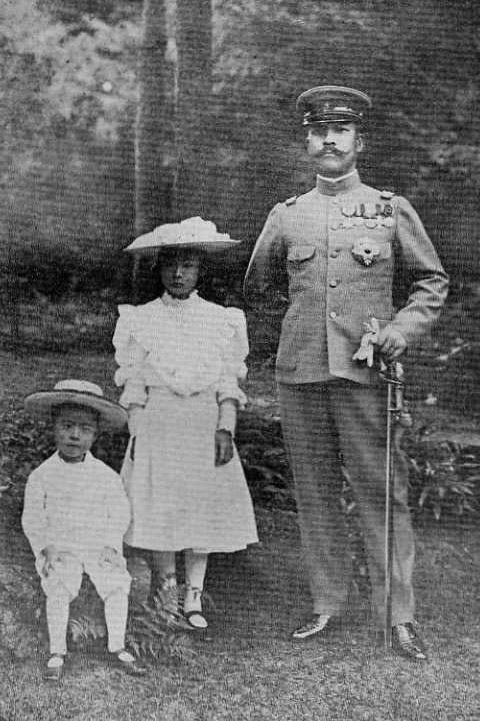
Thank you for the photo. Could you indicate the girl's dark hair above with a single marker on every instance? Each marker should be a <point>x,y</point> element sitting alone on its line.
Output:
<point>149,284</point>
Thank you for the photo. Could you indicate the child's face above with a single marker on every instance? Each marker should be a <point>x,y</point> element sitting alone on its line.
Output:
<point>179,273</point>
<point>75,430</point>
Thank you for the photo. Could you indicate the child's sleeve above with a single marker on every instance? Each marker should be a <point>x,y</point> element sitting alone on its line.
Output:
<point>236,351</point>
<point>130,357</point>
<point>34,517</point>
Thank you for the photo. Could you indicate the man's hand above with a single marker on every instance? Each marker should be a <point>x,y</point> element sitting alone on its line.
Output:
<point>223,447</point>
<point>391,344</point>
<point>110,557</point>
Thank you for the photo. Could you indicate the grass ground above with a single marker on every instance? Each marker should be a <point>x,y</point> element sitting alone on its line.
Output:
<point>246,667</point>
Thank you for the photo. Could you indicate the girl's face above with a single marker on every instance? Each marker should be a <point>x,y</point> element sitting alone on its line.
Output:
<point>179,271</point>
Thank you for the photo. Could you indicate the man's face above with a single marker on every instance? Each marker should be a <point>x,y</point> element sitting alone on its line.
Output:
<point>335,147</point>
<point>179,273</point>
<point>75,430</point>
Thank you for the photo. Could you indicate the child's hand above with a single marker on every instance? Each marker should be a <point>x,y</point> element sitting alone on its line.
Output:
<point>109,556</point>
<point>223,447</point>
<point>51,555</point>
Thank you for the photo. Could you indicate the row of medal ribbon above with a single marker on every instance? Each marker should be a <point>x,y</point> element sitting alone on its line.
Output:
<point>370,215</point>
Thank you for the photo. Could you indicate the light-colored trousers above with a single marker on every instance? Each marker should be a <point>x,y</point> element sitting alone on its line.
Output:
<point>320,421</point>
<point>62,585</point>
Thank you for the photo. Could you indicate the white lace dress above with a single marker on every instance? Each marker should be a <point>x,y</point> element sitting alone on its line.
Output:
<point>179,359</point>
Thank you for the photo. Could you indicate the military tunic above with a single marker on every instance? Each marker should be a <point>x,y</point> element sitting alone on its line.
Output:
<point>340,249</point>
<point>339,245</point>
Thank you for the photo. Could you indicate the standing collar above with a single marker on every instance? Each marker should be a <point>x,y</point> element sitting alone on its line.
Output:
<point>172,302</point>
<point>335,186</point>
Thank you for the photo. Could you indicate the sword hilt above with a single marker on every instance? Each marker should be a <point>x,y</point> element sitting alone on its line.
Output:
<point>393,374</point>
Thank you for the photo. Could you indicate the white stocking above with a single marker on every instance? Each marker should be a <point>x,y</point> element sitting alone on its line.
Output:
<point>195,569</point>
<point>57,620</point>
<point>116,609</point>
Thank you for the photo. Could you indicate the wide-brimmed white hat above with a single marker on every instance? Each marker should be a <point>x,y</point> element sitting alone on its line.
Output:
<point>81,393</point>
<point>194,233</point>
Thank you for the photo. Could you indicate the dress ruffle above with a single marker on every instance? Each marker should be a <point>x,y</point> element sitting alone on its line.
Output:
<point>187,346</point>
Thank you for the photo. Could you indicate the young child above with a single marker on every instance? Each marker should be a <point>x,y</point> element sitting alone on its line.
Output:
<point>75,514</point>
<point>180,359</point>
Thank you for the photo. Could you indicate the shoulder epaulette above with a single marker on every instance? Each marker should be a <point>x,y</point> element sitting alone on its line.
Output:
<point>292,200</point>
<point>387,194</point>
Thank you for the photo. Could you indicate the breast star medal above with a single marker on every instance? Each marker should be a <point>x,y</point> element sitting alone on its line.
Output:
<point>365,250</point>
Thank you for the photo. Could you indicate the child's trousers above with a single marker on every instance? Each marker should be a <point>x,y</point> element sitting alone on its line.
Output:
<point>62,585</point>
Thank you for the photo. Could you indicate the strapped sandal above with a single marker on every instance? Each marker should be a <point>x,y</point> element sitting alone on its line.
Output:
<point>194,616</point>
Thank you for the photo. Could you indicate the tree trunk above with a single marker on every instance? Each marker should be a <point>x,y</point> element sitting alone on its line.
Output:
<point>193,107</point>
<point>152,181</point>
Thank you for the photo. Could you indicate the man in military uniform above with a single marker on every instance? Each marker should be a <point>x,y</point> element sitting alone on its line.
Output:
<point>340,248</point>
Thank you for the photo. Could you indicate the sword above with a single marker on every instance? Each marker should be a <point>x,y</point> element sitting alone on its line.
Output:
<point>398,417</point>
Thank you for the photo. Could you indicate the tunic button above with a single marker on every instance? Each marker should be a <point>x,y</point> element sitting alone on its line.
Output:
<point>333,283</point>
<point>333,314</point>
<point>334,254</point>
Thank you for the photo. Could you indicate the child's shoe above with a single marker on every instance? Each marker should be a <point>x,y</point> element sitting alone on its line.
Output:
<point>124,660</point>
<point>54,668</point>
<point>192,609</point>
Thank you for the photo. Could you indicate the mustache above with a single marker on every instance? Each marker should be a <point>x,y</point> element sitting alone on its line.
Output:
<point>326,151</point>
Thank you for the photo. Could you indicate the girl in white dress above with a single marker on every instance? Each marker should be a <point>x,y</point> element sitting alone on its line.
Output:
<point>180,359</point>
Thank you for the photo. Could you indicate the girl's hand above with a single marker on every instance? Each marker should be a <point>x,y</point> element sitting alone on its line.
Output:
<point>110,557</point>
<point>223,447</point>
<point>52,556</point>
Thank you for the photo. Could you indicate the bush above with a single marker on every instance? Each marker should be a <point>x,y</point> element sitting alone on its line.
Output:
<point>444,479</point>
<point>80,322</point>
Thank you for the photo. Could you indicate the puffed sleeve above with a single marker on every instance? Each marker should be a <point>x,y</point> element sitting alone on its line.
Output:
<point>130,357</point>
<point>236,351</point>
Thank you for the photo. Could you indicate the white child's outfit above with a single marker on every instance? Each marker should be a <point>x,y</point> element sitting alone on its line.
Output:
<point>80,508</point>
<point>179,359</point>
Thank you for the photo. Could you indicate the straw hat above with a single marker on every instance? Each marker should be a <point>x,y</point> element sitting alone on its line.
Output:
<point>194,233</point>
<point>81,393</point>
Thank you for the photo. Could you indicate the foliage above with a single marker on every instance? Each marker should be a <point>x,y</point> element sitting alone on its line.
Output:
<point>445,479</point>
<point>68,97</point>
<point>75,323</point>
<point>20,611</point>
<point>154,632</point>
<point>261,450</point>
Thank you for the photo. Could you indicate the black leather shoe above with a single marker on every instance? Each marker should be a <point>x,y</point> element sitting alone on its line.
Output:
<point>319,623</point>
<point>407,643</point>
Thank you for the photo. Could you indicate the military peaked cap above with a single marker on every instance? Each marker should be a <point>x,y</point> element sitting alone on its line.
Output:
<point>333,104</point>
